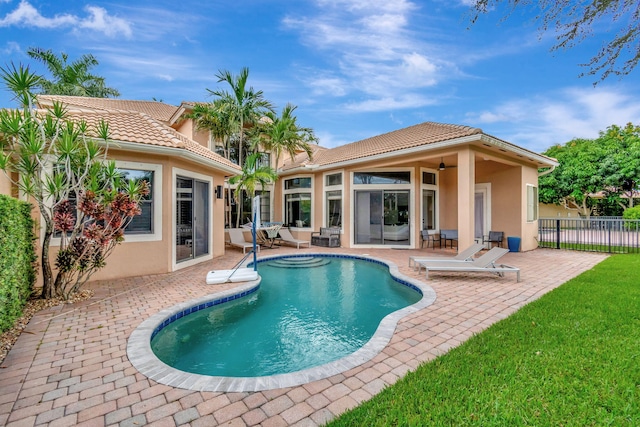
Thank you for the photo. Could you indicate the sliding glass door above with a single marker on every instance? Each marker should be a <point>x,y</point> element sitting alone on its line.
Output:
<point>192,218</point>
<point>382,217</point>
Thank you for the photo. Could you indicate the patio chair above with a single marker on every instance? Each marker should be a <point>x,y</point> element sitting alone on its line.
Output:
<point>484,264</point>
<point>431,237</point>
<point>286,237</point>
<point>449,236</point>
<point>236,237</point>
<point>494,237</point>
<point>465,255</point>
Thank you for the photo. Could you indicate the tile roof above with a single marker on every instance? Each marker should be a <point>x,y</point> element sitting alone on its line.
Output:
<point>302,159</point>
<point>420,135</point>
<point>157,110</point>
<point>126,125</point>
<point>412,136</point>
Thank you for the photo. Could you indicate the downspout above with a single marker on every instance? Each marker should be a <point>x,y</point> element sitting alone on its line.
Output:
<point>547,172</point>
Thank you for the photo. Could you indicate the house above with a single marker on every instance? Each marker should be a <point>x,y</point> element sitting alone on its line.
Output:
<point>179,225</point>
<point>380,192</point>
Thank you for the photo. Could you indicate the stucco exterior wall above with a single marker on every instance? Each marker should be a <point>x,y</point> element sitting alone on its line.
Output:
<point>135,258</point>
<point>506,211</point>
<point>5,184</point>
<point>529,228</point>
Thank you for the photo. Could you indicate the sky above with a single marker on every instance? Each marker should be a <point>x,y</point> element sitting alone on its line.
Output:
<point>353,68</point>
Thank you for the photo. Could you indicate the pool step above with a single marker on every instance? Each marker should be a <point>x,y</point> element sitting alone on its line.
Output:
<point>299,262</point>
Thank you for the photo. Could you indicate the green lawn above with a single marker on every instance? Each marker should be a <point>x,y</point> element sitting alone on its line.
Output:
<point>571,358</point>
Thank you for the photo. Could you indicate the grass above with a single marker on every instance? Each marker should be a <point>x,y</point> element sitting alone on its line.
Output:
<point>571,358</point>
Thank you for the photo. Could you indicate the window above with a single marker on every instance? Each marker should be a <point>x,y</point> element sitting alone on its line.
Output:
<point>297,203</point>
<point>381,177</point>
<point>292,184</point>
<point>334,208</point>
<point>333,200</point>
<point>333,179</point>
<point>429,178</point>
<point>147,225</point>
<point>298,209</point>
<point>532,203</point>
<point>143,223</point>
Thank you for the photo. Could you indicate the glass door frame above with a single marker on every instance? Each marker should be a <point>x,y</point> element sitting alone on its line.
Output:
<point>208,226</point>
<point>388,188</point>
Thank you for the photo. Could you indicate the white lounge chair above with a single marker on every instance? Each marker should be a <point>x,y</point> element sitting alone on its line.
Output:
<point>236,237</point>
<point>286,237</point>
<point>465,255</point>
<point>484,264</point>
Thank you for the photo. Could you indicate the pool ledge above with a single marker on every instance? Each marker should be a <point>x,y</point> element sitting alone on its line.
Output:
<point>144,360</point>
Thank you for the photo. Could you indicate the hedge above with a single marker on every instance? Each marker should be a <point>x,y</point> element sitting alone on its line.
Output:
<point>17,259</point>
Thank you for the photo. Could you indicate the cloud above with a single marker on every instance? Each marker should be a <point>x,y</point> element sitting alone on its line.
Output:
<point>9,48</point>
<point>373,53</point>
<point>543,121</point>
<point>25,15</point>
<point>100,21</point>
<point>390,103</point>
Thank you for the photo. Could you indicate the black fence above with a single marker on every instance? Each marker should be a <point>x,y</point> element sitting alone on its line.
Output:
<point>613,235</point>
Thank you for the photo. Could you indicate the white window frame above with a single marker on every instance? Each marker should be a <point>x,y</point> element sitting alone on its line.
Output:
<point>409,186</point>
<point>175,172</point>
<point>327,188</point>
<point>310,190</point>
<point>435,188</point>
<point>157,203</point>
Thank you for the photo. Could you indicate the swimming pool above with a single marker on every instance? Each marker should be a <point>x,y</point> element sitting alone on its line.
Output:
<point>334,314</point>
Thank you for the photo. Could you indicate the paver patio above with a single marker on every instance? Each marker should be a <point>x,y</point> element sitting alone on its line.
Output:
<point>70,366</point>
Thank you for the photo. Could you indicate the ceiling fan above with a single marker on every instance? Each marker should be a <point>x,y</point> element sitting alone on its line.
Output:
<point>442,165</point>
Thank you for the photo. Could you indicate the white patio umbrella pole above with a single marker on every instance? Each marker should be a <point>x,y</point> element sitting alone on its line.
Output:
<point>256,218</point>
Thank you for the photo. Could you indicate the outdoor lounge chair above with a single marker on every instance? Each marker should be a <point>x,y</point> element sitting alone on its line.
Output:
<point>286,237</point>
<point>484,264</point>
<point>465,255</point>
<point>236,237</point>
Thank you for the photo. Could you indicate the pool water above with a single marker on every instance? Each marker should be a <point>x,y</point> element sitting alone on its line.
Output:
<point>299,318</point>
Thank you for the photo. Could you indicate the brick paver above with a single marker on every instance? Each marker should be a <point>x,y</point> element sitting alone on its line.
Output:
<point>71,368</point>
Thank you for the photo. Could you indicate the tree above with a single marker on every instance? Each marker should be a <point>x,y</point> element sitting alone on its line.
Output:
<point>218,119</point>
<point>71,79</point>
<point>608,166</point>
<point>573,183</point>
<point>283,134</point>
<point>61,166</point>
<point>253,174</point>
<point>621,165</point>
<point>245,105</point>
<point>573,22</point>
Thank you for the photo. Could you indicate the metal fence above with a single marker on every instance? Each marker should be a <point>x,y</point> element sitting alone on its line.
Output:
<point>610,234</point>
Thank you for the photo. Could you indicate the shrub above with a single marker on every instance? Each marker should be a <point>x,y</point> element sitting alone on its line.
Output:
<point>17,259</point>
<point>632,213</point>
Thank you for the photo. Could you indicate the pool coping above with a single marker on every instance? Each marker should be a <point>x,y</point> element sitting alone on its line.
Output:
<point>144,360</point>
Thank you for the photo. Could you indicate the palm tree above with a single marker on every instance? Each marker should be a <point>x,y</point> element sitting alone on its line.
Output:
<point>245,105</point>
<point>71,79</point>
<point>216,118</point>
<point>252,175</point>
<point>282,134</point>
